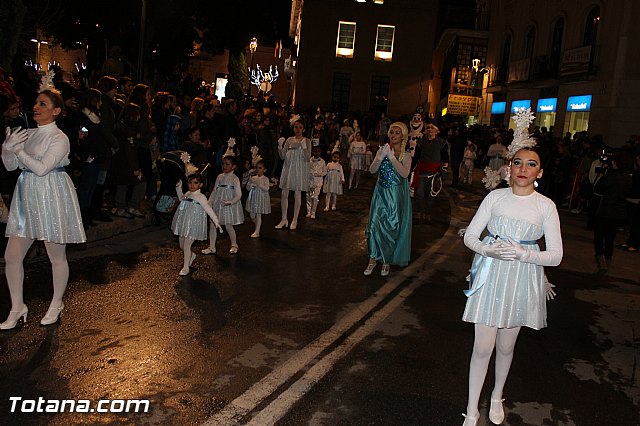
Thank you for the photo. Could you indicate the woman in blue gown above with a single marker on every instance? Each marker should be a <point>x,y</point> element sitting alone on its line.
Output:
<point>389,229</point>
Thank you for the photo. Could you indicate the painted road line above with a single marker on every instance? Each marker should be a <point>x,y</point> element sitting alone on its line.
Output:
<point>283,403</point>
<point>244,404</point>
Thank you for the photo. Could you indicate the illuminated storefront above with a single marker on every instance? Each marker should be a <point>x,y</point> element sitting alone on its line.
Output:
<point>546,112</point>
<point>497,113</point>
<point>577,119</point>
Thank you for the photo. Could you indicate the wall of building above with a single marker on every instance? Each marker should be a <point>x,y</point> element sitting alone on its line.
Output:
<point>409,70</point>
<point>614,83</point>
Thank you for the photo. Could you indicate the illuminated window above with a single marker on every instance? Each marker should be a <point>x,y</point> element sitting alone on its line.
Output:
<point>384,42</point>
<point>346,39</point>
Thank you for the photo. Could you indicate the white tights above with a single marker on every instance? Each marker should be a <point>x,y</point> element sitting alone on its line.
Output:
<point>17,249</point>
<point>353,173</point>
<point>504,340</point>
<point>213,235</point>
<point>185,245</point>
<point>284,204</point>
<point>331,200</point>
<point>257,219</point>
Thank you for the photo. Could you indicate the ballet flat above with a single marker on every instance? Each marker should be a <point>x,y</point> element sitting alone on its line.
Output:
<point>496,411</point>
<point>52,315</point>
<point>184,271</point>
<point>208,250</point>
<point>370,267</point>
<point>233,249</point>
<point>255,235</point>
<point>470,420</point>
<point>385,270</point>
<point>282,224</point>
<point>14,317</point>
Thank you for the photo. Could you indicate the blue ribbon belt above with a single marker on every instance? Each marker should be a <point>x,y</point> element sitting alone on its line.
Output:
<point>485,262</point>
<point>190,200</point>
<point>226,186</point>
<point>21,216</point>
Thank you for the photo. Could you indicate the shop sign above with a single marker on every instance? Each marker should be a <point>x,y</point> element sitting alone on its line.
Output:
<point>575,61</point>
<point>515,105</point>
<point>579,103</point>
<point>463,105</point>
<point>498,107</point>
<point>547,105</point>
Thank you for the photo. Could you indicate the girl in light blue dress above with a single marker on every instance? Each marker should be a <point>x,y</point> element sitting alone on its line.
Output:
<point>296,153</point>
<point>258,200</point>
<point>225,199</point>
<point>508,288</point>
<point>190,218</point>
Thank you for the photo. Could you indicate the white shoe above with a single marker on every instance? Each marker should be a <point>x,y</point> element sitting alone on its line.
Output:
<point>294,226</point>
<point>496,411</point>
<point>470,421</point>
<point>52,315</point>
<point>308,215</point>
<point>326,209</point>
<point>313,216</point>
<point>193,257</point>
<point>208,250</point>
<point>370,267</point>
<point>333,208</point>
<point>14,317</point>
<point>184,271</point>
<point>282,224</point>
<point>385,270</point>
<point>255,235</point>
<point>233,249</point>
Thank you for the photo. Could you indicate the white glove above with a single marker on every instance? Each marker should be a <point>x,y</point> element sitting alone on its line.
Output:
<point>380,154</point>
<point>217,225</point>
<point>390,152</point>
<point>499,250</point>
<point>281,142</point>
<point>548,289</point>
<point>13,139</point>
<point>520,251</point>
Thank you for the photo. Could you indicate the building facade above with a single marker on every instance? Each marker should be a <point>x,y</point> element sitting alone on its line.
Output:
<point>574,62</point>
<point>372,55</point>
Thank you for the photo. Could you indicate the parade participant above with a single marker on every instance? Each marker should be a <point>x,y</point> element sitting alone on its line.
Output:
<point>416,132</point>
<point>389,228</point>
<point>429,172</point>
<point>508,288</point>
<point>258,201</point>
<point>357,159</point>
<point>497,153</point>
<point>466,166</point>
<point>317,171</point>
<point>225,200</point>
<point>190,219</point>
<point>296,153</point>
<point>44,204</point>
<point>333,182</point>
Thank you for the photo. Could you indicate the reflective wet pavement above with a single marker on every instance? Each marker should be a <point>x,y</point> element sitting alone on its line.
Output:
<point>293,311</point>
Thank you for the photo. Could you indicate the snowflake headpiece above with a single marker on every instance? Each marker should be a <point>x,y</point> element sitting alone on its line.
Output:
<point>294,118</point>
<point>255,157</point>
<point>230,144</point>
<point>189,167</point>
<point>521,139</point>
<point>46,83</point>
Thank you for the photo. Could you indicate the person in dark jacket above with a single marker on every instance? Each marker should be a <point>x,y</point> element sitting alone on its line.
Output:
<point>614,187</point>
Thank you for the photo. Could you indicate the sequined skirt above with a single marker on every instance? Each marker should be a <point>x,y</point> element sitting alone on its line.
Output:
<point>190,220</point>
<point>46,208</point>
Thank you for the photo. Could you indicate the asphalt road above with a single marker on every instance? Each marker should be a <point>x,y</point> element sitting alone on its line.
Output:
<point>289,331</point>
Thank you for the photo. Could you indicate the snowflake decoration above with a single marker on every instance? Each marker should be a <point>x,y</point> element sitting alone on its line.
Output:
<point>231,142</point>
<point>47,81</point>
<point>294,118</point>
<point>521,139</point>
<point>491,178</point>
<point>185,157</point>
<point>254,150</point>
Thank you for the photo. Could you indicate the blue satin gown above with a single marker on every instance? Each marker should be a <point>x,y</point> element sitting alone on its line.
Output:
<point>389,229</point>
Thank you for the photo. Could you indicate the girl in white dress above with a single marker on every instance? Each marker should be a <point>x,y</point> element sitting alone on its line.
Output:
<point>333,181</point>
<point>258,200</point>
<point>357,159</point>
<point>44,205</point>
<point>225,201</point>
<point>296,153</point>
<point>190,218</point>
<point>508,288</point>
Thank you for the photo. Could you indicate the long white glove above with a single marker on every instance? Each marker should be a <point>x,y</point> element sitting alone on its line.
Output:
<point>499,250</point>
<point>548,288</point>
<point>14,139</point>
<point>520,251</point>
<point>381,153</point>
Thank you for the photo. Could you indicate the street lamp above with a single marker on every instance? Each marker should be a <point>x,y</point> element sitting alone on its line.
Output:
<point>253,46</point>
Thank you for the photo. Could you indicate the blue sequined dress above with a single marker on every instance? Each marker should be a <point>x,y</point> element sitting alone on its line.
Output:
<point>389,228</point>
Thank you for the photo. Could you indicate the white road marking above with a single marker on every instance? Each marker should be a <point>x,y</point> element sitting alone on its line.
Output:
<point>240,407</point>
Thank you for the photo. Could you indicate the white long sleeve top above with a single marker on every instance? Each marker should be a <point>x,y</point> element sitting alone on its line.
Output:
<point>317,167</point>
<point>46,149</point>
<point>199,198</point>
